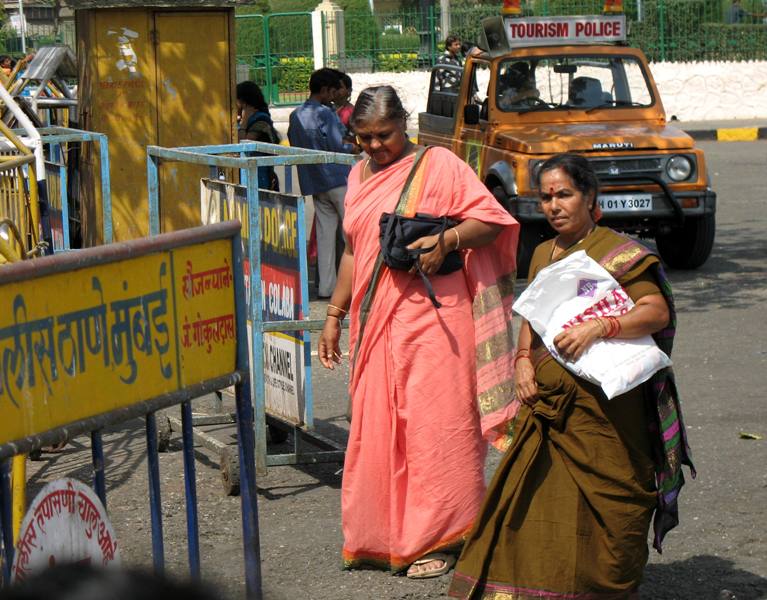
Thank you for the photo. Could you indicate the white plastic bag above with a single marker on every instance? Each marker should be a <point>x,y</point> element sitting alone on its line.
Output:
<point>577,289</point>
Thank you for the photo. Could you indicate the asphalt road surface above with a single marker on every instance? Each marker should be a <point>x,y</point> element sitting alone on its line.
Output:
<point>719,550</point>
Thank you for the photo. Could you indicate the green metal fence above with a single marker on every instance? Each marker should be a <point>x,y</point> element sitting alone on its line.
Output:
<point>401,41</point>
<point>276,49</point>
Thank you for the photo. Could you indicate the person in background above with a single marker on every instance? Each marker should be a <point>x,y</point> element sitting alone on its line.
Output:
<point>316,126</point>
<point>342,102</point>
<point>449,79</point>
<point>737,14</point>
<point>516,87</point>
<point>255,123</point>
<point>6,65</point>
<point>421,416</point>
<point>569,508</point>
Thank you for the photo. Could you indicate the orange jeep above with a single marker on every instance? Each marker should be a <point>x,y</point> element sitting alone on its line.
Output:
<point>520,103</point>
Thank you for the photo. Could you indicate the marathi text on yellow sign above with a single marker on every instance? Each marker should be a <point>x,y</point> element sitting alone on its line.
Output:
<point>81,343</point>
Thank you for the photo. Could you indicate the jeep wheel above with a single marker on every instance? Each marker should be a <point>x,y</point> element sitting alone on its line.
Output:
<point>689,246</point>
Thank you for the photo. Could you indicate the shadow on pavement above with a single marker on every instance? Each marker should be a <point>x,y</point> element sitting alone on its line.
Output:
<point>727,279</point>
<point>124,453</point>
<point>701,578</point>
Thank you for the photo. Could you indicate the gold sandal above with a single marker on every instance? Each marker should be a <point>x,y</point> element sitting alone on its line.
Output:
<point>447,559</point>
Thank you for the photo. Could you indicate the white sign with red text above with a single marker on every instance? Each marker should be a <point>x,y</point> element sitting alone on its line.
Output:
<point>66,523</point>
<point>551,31</point>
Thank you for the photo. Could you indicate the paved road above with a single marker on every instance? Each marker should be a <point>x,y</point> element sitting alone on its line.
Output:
<point>721,362</point>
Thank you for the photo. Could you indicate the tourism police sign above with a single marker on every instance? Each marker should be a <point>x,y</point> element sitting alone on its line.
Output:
<point>551,31</point>
<point>284,352</point>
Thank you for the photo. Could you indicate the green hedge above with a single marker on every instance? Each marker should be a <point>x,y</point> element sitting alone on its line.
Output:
<point>567,7</point>
<point>249,35</point>
<point>466,22</point>
<point>671,30</point>
<point>398,62</point>
<point>403,42</point>
<point>735,42</point>
<point>293,73</point>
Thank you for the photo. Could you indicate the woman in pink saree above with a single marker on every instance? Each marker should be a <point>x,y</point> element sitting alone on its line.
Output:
<point>429,386</point>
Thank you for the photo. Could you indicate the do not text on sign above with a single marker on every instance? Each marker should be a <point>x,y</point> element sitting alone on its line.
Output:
<point>285,353</point>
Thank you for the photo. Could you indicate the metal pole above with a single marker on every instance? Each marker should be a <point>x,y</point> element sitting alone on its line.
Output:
<point>190,489</point>
<point>246,428</point>
<point>662,29</point>
<point>155,502</point>
<point>444,18</point>
<point>256,319</point>
<point>22,28</point>
<point>97,458</point>
<point>5,516</point>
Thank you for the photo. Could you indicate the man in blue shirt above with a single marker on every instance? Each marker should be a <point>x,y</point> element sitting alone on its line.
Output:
<point>316,126</point>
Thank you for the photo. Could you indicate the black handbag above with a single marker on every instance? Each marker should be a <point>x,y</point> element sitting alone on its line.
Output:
<point>398,231</point>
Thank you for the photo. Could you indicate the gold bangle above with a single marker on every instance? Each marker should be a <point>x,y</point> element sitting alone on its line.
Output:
<point>457,238</point>
<point>602,327</point>
<point>343,310</point>
<point>340,318</point>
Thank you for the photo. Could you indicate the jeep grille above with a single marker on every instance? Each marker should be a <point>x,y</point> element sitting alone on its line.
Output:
<point>625,167</point>
<point>622,167</point>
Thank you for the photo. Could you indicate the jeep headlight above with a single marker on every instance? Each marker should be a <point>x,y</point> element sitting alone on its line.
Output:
<point>678,168</point>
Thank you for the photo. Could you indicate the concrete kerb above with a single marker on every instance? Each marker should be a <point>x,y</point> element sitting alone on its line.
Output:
<point>729,134</point>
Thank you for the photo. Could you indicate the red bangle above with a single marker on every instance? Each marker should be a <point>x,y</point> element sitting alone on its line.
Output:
<point>615,327</point>
<point>521,354</point>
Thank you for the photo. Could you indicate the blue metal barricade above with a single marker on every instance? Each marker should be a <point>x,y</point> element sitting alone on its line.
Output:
<point>240,157</point>
<point>54,141</point>
<point>153,341</point>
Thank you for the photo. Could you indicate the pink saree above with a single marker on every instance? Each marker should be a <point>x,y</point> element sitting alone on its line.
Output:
<point>427,385</point>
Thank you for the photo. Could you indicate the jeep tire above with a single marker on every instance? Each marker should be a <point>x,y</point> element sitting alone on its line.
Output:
<point>688,246</point>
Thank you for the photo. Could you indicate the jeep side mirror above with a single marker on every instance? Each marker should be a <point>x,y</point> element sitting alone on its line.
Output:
<point>471,114</point>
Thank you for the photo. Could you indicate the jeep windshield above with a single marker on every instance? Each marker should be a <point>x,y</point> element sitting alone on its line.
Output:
<point>571,83</point>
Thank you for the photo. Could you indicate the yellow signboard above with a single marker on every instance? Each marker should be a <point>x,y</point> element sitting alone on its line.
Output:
<point>78,343</point>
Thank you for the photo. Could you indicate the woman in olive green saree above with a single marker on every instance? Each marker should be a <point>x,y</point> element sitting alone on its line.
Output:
<point>568,512</point>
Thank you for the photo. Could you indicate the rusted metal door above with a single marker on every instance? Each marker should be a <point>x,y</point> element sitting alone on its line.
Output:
<point>194,103</point>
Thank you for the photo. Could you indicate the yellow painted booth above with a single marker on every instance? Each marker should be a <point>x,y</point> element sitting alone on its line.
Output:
<point>152,73</point>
